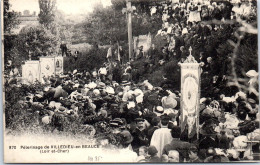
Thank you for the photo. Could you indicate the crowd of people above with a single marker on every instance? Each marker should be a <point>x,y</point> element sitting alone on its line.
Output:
<point>144,121</point>
<point>190,24</point>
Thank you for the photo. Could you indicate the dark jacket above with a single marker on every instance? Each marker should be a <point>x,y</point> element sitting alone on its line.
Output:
<point>154,159</point>
<point>181,146</point>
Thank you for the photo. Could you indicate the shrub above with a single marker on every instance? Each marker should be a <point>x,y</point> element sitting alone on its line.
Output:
<point>89,60</point>
<point>171,71</point>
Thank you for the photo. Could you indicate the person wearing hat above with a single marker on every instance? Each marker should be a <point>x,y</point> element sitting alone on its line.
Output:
<point>159,111</point>
<point>140,53</point>
<point>176,144</point>
<point>58,120</point>
<point>152,152</point>
<point>169,101</point>
<point>208,139</point>
<point>154,126</point>
<point>116,124</point>
<point>162,136</point>
<point>126,149</point>
<point>139,134</point>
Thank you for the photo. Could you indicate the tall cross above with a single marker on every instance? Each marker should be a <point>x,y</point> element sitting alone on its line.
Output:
<point>129,25</point>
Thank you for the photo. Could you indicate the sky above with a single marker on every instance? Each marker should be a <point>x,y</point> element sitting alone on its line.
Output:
<point>67,6</point>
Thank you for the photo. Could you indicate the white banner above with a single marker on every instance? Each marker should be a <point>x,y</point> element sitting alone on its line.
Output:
<point>58,65</point>
<point>47,67</point>
<point>190,96</point>
<point>31,71</point>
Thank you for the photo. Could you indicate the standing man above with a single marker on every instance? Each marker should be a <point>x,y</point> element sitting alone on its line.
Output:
<point>63,48</point>
<point>122,54</point>
<point>152,54</point>
<point>141,53</point>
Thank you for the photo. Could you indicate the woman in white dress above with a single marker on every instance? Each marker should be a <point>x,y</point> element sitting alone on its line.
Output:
<point>194,15</point>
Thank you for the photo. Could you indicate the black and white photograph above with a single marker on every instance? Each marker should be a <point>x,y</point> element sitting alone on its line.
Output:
<point>130,81</point>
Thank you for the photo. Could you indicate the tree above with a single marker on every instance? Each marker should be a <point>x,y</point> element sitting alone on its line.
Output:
<point>34,40</point>
<point>10,22</point>
<point>110,24</point>
<point>105,25</point>
<point>10,18</point>
<point>47,10</point>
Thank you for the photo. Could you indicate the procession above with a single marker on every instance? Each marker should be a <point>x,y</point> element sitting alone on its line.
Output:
<point>184,89</point>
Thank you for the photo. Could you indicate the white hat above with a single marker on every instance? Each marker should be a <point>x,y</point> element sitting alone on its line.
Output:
<point>96,92</point>
<point>120,94</point>
<point>202,100</point>
<point>139,99</point>
<point>130,104</point>
<point>57,105</point>
<point>184,31</point>
<point>92,85</point>
<point>52,104</point>
<point>252,73</point>
<point>168,102</point>
<point>46,89</point>
<point>93,106</point>
<point>159,110</point>
<point>46,120</point>
<point>138,92</point>
<point>76,86</point>
<point>241,94</point>
<point>170,110</point>
<point>110,90</point>
<point>94,73</point>
<point>148,85</point>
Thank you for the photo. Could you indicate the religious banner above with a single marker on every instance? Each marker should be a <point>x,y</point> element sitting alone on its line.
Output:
<point>47,66</point>
<point>58,65</point>
<point>31,71</point>
<point>190,96</point>
<point>142,40</point>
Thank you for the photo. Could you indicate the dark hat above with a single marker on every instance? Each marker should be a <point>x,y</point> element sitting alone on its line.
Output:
<point>61,108</point>
<point>165,117</point>
<point>152,150</point>
<point>241,114</point>
<point>252,101</point>
<point>127,138</point>
<point>114,124</point>
<point>139,119</point>
<point>155,121</point>
<point>125,83</point>
<point>118,120</point>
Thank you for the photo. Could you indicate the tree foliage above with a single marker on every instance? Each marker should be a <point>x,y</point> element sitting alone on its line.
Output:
<point>105,25</point>
<point>110,24</point>
<point>36,41</point>
<point>47,12</point>
<point>86,61</point>
<point>10,18</point>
